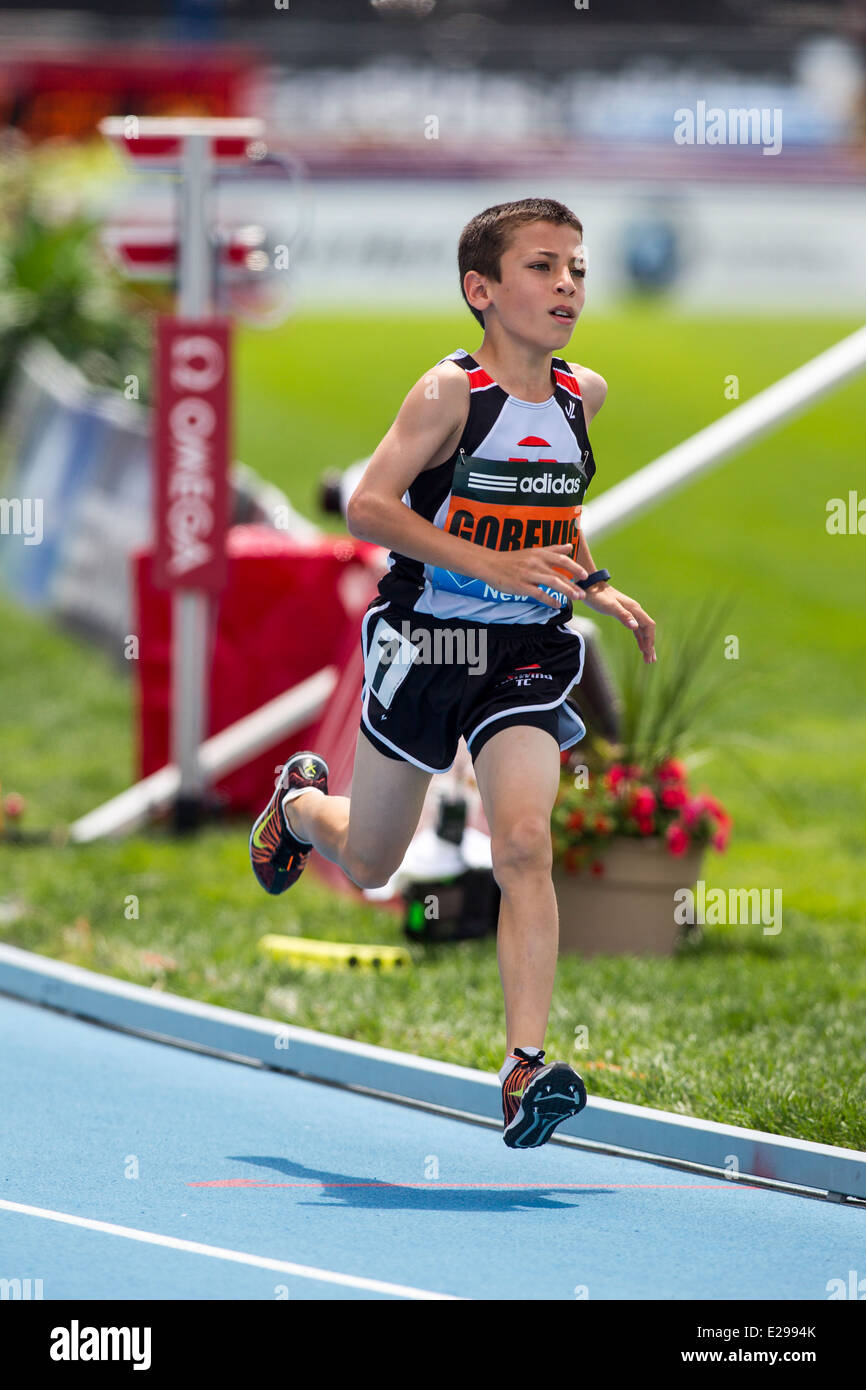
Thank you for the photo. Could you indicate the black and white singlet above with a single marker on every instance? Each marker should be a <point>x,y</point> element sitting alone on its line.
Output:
<point>516,479</point>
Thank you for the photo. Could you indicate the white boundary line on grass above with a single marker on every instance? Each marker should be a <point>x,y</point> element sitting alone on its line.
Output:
<point>219,755</point>
<point>746,423</point>
<point>194,1247</point>
<point>618,1126</point>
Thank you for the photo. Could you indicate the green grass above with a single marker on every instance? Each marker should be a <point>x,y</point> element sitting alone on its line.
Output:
<point>756,1030</point>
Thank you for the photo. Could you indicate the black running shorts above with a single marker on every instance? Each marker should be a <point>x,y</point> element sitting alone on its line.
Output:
<point>427,682</point>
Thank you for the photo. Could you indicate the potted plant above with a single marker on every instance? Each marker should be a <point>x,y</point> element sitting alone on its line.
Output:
<point>56,282</point>
<point>628,829</point>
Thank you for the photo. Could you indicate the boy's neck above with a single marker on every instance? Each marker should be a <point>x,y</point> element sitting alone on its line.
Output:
<point>521,370</point>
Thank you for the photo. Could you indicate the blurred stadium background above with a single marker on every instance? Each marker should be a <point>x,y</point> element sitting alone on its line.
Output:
<point>391,124</point>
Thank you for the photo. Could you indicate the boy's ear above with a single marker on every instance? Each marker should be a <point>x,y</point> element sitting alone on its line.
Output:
<point>478,282</point>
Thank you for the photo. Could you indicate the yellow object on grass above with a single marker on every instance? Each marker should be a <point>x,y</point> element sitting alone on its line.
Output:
<point>333,955</point>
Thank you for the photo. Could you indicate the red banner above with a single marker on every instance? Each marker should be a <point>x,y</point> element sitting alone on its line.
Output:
<point>192,437</point>
<point>63,89</point>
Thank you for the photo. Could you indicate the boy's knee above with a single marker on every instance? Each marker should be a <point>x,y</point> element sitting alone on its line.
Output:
<point>367,873</point>
<point>523,846</point>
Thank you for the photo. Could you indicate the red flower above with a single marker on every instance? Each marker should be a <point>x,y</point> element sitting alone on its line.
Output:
<point>575,820</point>
<point>602,825</point>
<point>643,802</point>
<point>672,771</point>
<point>597,868</point>
<point>692,811</point>
<point>720,839</point>
<point>614,775</point>
<point>677,839</point>
<point>572,861</point>
<point>674,796</point>
<point>564,757</point>
<point>646,825</point>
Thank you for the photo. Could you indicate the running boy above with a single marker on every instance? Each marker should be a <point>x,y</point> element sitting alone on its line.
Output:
<point>476,489</point>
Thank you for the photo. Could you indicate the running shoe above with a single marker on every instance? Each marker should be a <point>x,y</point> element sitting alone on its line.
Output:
<point>277,855</point>
<point>536,1098</point>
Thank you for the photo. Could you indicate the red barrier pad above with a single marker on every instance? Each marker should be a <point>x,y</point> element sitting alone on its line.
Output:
<point>290,607</point>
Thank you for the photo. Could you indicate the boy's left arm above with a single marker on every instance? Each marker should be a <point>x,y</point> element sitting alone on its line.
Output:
<point>603,597</point>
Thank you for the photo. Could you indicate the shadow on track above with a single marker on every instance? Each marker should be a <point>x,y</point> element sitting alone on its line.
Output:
<point>342,1190</point>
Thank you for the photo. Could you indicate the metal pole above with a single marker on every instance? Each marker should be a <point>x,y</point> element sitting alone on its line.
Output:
<point>191,607</point>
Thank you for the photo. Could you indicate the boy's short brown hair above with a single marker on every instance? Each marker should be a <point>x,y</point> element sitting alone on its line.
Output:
<point>484,239</point>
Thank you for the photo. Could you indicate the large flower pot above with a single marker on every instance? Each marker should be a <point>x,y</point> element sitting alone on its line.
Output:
<point>628,908</point>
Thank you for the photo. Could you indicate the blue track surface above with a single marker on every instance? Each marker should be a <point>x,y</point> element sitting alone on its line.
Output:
<point>344,1183</point>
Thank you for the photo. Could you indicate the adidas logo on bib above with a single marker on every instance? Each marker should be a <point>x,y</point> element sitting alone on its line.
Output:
<point>546,482</point>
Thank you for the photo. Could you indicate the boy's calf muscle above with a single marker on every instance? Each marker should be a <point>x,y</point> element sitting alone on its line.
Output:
<point>386,801</point>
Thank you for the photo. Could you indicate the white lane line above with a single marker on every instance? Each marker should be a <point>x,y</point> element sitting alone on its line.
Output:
<point>237,1256</point>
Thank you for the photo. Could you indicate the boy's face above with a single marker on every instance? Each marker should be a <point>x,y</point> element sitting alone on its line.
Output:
<point>542,270</point>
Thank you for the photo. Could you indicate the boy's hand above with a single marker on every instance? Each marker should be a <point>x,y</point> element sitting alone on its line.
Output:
<point>522,571</point>
<point>603,598</point>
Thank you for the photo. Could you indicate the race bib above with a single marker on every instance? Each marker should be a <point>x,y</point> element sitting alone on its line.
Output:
<point>512,506</point>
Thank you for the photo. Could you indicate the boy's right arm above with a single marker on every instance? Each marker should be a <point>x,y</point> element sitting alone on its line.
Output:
<point>425,433</point>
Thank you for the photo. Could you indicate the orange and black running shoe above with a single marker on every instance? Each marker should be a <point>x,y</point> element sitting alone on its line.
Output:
<point>537,1097</point>
<point>277,855</point>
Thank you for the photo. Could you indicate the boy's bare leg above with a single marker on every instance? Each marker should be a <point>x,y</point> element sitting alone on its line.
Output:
<point>368,833</point>
<point>517,772</point>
